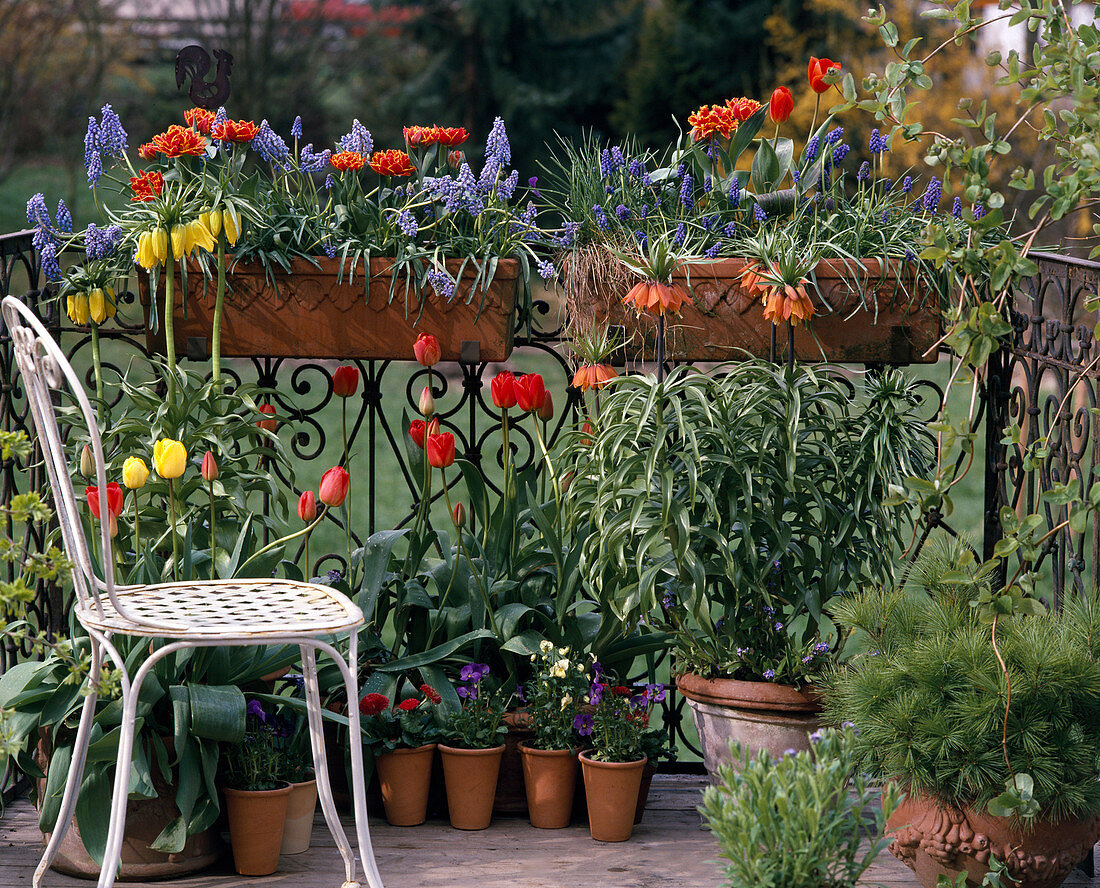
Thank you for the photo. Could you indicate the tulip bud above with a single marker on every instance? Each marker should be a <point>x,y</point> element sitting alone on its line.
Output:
<point>345,381</point>
<point>454,159</point>
<point>781,105</point>
<point>87,462</point>
<point>432,428</point>
<point>416,432</point>
<point>458,515</point>
<point>427,402</point>
<point>307,506</point>
<point>546,411</point>
<point>209,467</point>
<point>268,424</point>
<point>134,472</point>
<point>334,486</point>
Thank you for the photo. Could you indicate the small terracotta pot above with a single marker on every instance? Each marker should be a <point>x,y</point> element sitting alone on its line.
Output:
<point>471,778</point>
<point>405,776</point>
<point>256,821</point>
<point>301,805</point>
<point>612,790</point>
<point>550,776</point>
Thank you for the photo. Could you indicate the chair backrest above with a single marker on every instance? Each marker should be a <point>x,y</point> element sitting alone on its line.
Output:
<point>42,367</point>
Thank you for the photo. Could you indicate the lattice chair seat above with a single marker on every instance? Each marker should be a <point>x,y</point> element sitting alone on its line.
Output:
<point>186,615</point>
<point>272,609</point>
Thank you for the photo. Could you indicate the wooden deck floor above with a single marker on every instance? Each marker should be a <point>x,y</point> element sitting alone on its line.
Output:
<point>668,849</point>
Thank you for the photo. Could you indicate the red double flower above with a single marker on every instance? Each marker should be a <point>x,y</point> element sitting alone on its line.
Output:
<point>391,163</point>
<point>178,141</point>
<point>348,160</point>
<point>146,186</point>
<point>372,704</point>
<point>235,131</point>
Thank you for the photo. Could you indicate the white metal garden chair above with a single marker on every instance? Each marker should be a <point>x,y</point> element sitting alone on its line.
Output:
<point>195,614</point>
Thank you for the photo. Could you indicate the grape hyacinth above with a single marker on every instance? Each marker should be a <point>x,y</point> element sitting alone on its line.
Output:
<point>810,154</point>
<point>622,213</point>
<point>643,213</point>
<point>605,163</point>
<point>957,208</point>
<point>840,152</point>
<point>864,171</point>
<point>635,169</point>
<point>617,159</point>
<point>758,213</point>
<point>329,181</point>
<point>296,127</point>
<point>93,164</point>
<point>835,135</point>
<point>877,144</point>
<point>601,217</point>
<point>681,233</point>
<point>707,184</point>
<point>546,270</point>
<point>64,218</point>
<point>112,138</point>
<point>570,230</point>
<point>685,193</point>
<point>407,224</point>
<point>712,251</point>
<point>643,241</point>
<point>885,216</point>
<point>99,243</point>
<point>329,247</point>
<point>730,230</point>
<point>269,145</point>
<point>507,188</point>
<point>931,199</point>
<point>496,146</point>
<point>441,282</point>
<point>979,211</point>
<point>314,162</point>
<point>358,140</point>
<point>734,192</point>
<point>906,184</point>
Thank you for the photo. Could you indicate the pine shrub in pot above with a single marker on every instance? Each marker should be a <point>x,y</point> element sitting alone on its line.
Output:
<point>995,747</point>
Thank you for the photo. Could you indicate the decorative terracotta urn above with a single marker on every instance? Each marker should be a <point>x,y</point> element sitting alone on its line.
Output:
<point>758,714</point>
<point>933,841</point>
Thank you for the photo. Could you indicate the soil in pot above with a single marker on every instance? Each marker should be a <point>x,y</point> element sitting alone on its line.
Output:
<point>256,821</point>
<point>550,777</point>
<point>471,778</point>
<point>612,791</point>
<point>933,841</point>
<point>405,776</point>
<point>758,714</point>
<point>301,805</point>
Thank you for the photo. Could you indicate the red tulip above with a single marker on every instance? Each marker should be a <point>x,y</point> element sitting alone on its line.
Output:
<point>307,506</point>
<point>503,389</point>
<point>345,381</point>
<point>426,348</point>
<point>114,499</point>
<point>268,424</point>
<point>440,449</point>
<point>209,467</point>
<point>455,159</point>
<point>817,70</point>
<point>458,515</point>
<point>781,105</point>
<point>416,432</point>
<point>546,411</point>
<point>530,392</point>
<point>334,486</point>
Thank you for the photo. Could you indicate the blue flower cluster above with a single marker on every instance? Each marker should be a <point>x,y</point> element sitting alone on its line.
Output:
<point>314,162</point>
<point>296,127</point>
<point>99,243</point>
<point>407,223</point>
<point>103,137</point>
<point>546,270</point>
<point>931,199</point>
<point>44,240</point>
<point>359,140</point>
<point>877,144</point>
<point>270,145</point>
<point>441,282</point>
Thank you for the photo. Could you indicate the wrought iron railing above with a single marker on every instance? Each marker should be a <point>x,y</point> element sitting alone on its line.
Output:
<point>1053,353</point>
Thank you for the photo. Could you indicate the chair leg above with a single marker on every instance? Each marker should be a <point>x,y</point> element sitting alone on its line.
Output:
<point>76,769</point>
<point>320,763</point>
<point>112,856</point>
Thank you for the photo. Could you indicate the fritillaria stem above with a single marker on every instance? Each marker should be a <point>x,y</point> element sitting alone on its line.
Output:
<point>172,530</point>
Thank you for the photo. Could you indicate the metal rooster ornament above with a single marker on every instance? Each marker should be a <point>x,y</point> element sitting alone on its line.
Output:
<point>194,62</point>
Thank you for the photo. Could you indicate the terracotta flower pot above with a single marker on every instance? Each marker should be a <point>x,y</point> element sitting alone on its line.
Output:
<point>301,805</point>
<point>256,821</point>
<point>471,778</point>
<point>935,841</point>
<point>319,309</point>
<point>758,714</point>
<point>612,791</point>
<point>550,776</point>
<point>405,776</point>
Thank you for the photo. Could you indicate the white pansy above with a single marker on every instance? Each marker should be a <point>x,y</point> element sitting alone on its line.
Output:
<point>546,646</point>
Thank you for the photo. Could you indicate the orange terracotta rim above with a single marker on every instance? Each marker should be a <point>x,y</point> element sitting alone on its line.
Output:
<point>525,749</point>
<point>410,750</point>
<point>596,763</point>
<point>282,790</point>
<point>759,695</point>
<point>458,750</point>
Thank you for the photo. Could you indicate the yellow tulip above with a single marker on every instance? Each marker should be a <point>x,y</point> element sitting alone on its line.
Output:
<point>179,241</point>
<point>169,458</point>
<point>160,244</point>
<point>213,221</point>
<point>146,253</point>
<point>97,305</point>
<point>232,224</point>
<point>79,314</point>
<point>134,472</point>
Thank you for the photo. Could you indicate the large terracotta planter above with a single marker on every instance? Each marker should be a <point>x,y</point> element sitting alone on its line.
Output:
<point>301,806</point>
<point>145,819</point>
<point>550,777</point>
<point>313,312</point>
<point>256,821</point>
<point>722,320</point>
<point>758,714</point>
<point>934,841</point>
<point>405,776</point>
<point>511,792</point>
<point>612,791</point>
<point>471,779</point>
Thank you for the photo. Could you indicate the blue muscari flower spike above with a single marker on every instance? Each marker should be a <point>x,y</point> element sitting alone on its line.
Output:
<point>796,176</point>
<point>910,256</point>
<point>885,216</point>
<point>601,217</point>
<point>314,162</point>
<point>681,233</point>
<point>64,218</point>
<point>712,251</point>
<point>758,213</point>
<point>609,189</point>
<point>642,240</point>
<point>835,135</point>
<point>707,184</point>
<point>864,171</point>
<point>979,211</point>
<point>496,146</point>
<point>358,140</point>
<point>887,184</point>
<point>93,163</point>
<point>617,159</point>
<point>644,211</point>
<point>296,128</point>
<point>840,152</point>
<point>735,192</point>
<point>906,184</point>
<point>877,143</point>
<point>957,208</point>
<point>407,224</point>
<point>112,137</point>
<point>810,154</point>
<point>685,193</point>
<point>570,230</point>
<point>605,163</point>
<point>269,145</point>
<point>507,188</point>
<point>328,182</point>
<point>931,199</point>
<point>622,213</point>
<point>635,168</point>
<point>769,674</point>
<point>329,247</point>
<point>730,230</point>
<point>441,282</point>
<point>546,269</point>
<point>37,214</point>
